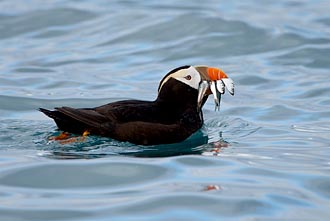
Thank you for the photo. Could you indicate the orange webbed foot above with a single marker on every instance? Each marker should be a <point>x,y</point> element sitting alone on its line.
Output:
<point>66,138</point>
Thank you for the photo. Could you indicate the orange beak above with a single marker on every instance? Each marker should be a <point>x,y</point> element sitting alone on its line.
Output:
<point>216,74</point>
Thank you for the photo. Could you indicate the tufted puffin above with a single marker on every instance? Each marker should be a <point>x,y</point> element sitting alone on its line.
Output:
<point>172,117</point>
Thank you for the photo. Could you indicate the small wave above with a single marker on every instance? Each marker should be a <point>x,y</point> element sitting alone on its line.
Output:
<point>97,147</point>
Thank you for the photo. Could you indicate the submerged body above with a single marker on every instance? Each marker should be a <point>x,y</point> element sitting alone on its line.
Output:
<point>172,117</point>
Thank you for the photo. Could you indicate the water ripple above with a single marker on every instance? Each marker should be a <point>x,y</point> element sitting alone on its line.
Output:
<point>264,156</point>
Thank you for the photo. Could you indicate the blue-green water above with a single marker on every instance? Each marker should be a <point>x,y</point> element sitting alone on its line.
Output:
<point>267,151</point>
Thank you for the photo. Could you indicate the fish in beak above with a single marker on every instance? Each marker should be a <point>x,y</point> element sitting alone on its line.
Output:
<point>213,81</point>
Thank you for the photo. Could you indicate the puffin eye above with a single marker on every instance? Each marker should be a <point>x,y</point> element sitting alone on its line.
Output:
<point>188,77</point>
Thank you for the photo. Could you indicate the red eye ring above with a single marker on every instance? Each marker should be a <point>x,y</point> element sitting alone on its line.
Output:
<point>188,77</point>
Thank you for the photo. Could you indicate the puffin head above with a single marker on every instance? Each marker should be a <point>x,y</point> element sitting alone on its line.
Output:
<point>200,81</point>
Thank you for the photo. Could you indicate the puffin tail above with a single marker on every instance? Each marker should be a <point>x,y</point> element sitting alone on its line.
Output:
<point>64,122</point>
<point>76,120</point>
<point>49,113</point>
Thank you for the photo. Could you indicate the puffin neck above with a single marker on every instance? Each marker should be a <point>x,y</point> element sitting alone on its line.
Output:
<point>177,95</point>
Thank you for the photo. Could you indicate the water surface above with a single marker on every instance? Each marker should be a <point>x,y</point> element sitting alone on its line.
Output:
<point>264,156</point>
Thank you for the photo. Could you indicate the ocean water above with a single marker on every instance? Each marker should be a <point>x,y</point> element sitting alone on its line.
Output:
<point>264,156</point>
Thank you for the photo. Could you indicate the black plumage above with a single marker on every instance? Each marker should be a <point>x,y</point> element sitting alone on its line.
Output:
<point>171,118</point>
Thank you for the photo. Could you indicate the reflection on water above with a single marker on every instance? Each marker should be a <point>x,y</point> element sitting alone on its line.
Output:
<point>266,151</point>
<point>94,147</point>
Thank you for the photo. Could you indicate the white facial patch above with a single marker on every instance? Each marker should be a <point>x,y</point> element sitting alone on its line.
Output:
<point>189,76</point>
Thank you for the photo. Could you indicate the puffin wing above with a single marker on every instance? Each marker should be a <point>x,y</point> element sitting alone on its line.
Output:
<point>86,116</point>
<point>79,120</point>
<point>129,110</point>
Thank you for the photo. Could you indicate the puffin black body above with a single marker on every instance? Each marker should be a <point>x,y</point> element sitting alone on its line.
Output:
<point>172,117</point>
